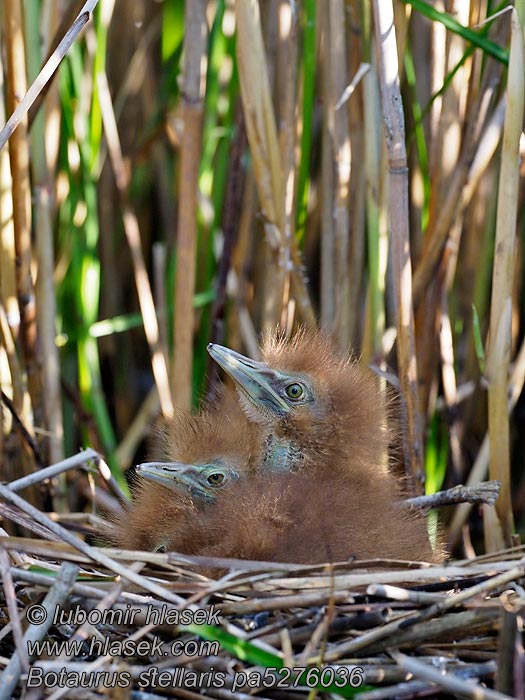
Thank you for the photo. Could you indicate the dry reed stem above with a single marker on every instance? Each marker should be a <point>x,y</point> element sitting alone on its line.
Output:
<point>405,621</point>
<point>507,639</point>
<point>501,303</point>
<point>287,90</point>
<point>478,621</point>
<point>339,128</point>
<point>195,50</point>
<point>30,406</point>
<point>467,689</point>
<point>138,429</point>
<point>46,310</point>
<point>54,469</point>
<point>46,306</point>
<point>327,266</point>
<point>132,231</point>
<point>438,232</point>
<point>7,233</point>
<point>399,236</point>
<point>10,598</point>
<point>264,147</point>
<point>91,552</point>
<point>373,136</point>
<point>18,115</point>
<point>262,136</point>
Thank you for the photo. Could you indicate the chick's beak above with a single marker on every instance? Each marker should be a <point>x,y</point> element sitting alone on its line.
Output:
<point>256,379</point>
<point>174,475</point>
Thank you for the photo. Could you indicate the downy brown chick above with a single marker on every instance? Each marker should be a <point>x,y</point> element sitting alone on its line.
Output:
<point>324,415</point>
<point>315,404</point>
<point>161,518</point>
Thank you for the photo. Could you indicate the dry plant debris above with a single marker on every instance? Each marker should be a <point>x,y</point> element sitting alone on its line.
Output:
<point>87,621</point>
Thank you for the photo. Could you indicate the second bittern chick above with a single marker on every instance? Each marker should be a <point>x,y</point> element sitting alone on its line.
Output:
<point>167,519</point>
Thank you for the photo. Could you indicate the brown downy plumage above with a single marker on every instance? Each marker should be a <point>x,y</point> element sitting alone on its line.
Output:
<point>162,518</point>
<point>327,415</point>
<point>297,518</point>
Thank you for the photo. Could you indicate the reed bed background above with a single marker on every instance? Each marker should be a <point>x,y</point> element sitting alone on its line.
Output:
<point>210,170</point>
<point>207,171</point>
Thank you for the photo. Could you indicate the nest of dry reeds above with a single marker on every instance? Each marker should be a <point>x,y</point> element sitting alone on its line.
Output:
<point>87,622</point>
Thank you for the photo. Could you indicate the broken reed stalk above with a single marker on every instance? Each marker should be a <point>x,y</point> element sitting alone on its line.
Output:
<point>502,281</point>
<point>482,493</point>
<point>480,468</point>
<point>392,110</point>
<point>192,98</point>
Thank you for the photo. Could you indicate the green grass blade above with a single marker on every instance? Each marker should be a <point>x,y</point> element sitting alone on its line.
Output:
<point>477,39</point>
<point>246,651</point>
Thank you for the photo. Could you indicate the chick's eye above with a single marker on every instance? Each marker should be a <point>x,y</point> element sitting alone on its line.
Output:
<point>215,479</point>
<point>294,391</point>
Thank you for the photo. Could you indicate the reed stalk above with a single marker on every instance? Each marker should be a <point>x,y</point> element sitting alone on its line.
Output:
<point>399,236</point>
<point>46,306</point>
<point>502,280</point>
<point>195,39</point>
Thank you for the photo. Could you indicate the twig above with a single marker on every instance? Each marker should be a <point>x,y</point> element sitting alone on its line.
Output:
<point>54,470</point>
<point>10,598</point>
<point>91,552</point>
<point>396,593</point>
<point>480,589</point>
<point>507,642</point>
<point>486,492</point>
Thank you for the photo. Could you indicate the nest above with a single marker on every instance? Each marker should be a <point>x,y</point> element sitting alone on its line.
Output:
<point>90,622</point>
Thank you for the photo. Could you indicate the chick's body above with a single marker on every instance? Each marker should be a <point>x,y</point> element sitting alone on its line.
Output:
<point>294,518</point>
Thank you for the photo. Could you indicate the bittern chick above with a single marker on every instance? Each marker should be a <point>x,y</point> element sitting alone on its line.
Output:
<point>316,405</point>
<point>294,518</point>
<point>161,518</point>
<point>327,417</point>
